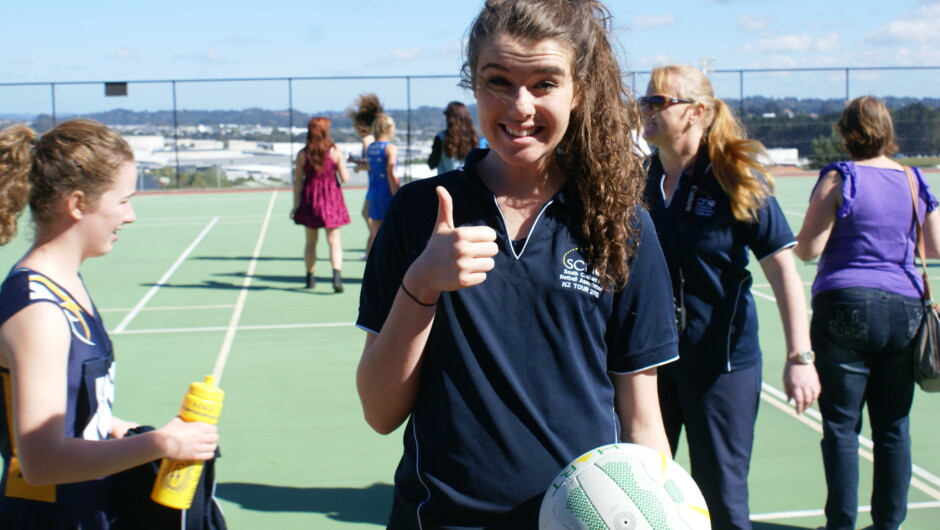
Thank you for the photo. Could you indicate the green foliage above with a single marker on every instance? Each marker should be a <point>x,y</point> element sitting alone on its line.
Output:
<point>827,149</point>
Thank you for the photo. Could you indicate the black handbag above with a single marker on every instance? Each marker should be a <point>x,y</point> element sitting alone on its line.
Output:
<point>927,341</point>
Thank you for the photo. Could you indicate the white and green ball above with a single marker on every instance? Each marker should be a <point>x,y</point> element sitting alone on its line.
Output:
<point>623,487</point>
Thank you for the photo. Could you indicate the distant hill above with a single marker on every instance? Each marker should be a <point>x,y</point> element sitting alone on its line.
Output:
<point>777,122</point>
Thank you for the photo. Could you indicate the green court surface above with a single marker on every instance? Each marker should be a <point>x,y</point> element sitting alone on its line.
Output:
<point>204,275</point>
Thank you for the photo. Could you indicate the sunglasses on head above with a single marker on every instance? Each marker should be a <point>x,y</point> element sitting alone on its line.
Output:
<point>661,102</point>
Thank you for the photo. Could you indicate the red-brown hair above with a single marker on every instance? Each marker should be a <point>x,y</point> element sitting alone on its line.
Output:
<point>319,141</point>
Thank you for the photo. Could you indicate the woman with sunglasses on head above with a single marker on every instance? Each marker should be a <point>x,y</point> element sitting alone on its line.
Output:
<point>516,308</point>
<point>711,201</point>
<point>866,309</point>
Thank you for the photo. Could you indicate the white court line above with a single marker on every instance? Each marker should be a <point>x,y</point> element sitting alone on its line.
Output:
<point>779,399</point>
<point>242,295</point>
<point>819,513</point>
<point>166,276</point>
<point>261,327</point>
<point>769,297</point>
<point>169,308</point>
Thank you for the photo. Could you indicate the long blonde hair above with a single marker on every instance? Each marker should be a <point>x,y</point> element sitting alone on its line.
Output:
<point>597,154</point>
<point>736,160</point>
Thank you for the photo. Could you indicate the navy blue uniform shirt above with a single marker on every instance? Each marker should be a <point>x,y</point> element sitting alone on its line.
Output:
<point>516,377</point>
<point>701,238</point>
<point>88,409</point>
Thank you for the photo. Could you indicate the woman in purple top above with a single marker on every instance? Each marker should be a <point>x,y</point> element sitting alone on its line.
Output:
<point>866,310</point>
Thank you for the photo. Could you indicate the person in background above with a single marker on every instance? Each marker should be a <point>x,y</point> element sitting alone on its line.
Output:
<point>383,183</point>
<point>516,310</point>
<point>319,173</point>
<point>451,145</point>
<point>367,108</point>
<point>866,309</point>
<point>712,202</point>
<point>62,446</point>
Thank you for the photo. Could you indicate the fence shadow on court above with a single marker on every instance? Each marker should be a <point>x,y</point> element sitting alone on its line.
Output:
<point>354,505</point>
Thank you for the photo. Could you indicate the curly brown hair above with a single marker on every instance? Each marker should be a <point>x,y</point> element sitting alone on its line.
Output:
<point>460,137</point>
<point>81,155</point>
<point>598,154</point>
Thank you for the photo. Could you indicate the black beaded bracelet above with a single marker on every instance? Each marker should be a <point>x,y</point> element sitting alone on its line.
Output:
<point>419,302</point>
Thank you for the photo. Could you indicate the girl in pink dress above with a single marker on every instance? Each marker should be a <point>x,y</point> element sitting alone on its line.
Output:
<point>319,172</point>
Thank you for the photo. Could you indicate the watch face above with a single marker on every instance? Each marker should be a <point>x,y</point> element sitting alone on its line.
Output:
<point>806,357</point>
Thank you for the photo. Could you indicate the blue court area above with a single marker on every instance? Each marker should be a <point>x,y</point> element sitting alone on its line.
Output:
<point>207,275</point>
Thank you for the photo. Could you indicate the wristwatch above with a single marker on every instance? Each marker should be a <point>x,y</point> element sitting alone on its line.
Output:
<point>802,357</point>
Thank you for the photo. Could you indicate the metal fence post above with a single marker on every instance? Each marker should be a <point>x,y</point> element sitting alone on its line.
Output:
<point>407,176</point>
<point>290,130</point>
<point>176,136</point>
<point>52,90</point>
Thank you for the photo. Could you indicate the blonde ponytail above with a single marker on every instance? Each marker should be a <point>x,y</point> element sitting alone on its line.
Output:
<point>736,164</point>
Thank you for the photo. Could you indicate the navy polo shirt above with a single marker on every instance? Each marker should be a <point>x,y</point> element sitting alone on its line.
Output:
<point>710,247</point>
<point>516,374</point>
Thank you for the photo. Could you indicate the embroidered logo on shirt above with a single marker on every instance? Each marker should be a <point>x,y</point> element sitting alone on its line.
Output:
<point>705,206</point>
<point>574,274</point>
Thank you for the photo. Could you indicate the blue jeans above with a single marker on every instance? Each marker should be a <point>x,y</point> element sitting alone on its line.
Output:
<point>863,342</point>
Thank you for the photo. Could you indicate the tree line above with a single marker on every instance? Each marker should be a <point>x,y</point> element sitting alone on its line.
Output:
<point>804,124</point>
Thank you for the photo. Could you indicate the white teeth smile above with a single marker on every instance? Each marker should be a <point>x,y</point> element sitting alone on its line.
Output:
<point>522,133</point>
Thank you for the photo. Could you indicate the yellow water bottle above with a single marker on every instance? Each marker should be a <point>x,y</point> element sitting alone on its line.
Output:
<point>177,480</point>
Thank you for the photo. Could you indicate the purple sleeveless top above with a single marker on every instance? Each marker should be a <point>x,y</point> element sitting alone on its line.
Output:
<point>872,243</point>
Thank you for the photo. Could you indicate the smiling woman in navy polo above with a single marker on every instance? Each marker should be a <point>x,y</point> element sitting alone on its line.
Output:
<point>711,201</point>
<point>517,308</point>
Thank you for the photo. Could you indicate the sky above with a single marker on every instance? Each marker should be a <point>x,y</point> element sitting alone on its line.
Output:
<point>102,40</point>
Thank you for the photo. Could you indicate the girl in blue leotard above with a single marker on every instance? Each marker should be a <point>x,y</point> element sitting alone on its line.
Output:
<point>383,183</point>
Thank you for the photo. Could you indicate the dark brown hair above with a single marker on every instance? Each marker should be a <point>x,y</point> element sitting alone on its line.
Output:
<point>81,155</point>
<point>866,128</point>
<point>597,154</point>
<point>367,108</point>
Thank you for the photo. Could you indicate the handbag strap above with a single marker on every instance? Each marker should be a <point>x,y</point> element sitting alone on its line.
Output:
<point>921,251</point>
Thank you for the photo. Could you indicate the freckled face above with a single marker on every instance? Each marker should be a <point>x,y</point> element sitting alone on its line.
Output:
<point>112,211</point>
<point>525,94</point>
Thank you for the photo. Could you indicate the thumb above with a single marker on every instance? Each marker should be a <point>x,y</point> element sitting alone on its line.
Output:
<point>445,210</point>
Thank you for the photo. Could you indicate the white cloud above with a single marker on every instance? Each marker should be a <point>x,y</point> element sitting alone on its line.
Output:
<point>210,56</point>
<point>919,26</point>
<point>780,43</point>
<point>397,57</point>
<point>661,60</point>
<point>451,49</point>
<point>827,43</point>
<point>754,22</point>
<point>653,21</point>
<point>124,54</point>
<point>794,44</point>
<point>242,40</point>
